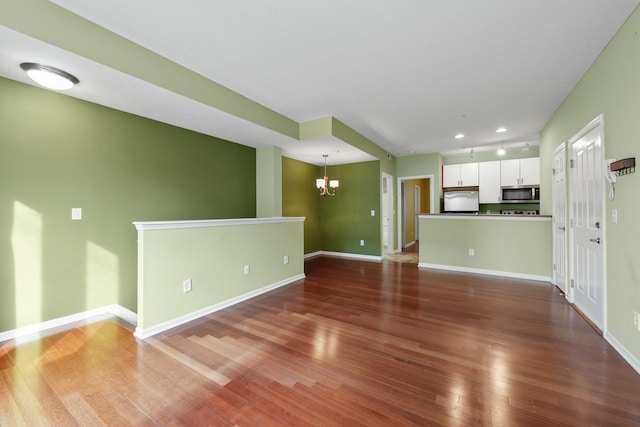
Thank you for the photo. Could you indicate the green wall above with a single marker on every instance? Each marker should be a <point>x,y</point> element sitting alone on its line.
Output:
<point>338,223</point>
<point>213,256</point>
<point>421,165</point>
<point>346,218</point>
<point>58,153</point>
<point>488,156</point>
<point>301,198</point>
<point>611,87</point>
<point>518,246</point>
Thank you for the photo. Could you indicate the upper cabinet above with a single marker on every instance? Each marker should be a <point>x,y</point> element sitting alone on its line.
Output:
<point>489,181</point>
<point>461,175</point>
<point>520,172</point>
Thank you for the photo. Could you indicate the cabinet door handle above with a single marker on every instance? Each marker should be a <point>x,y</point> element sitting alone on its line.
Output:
<point>596,240</point>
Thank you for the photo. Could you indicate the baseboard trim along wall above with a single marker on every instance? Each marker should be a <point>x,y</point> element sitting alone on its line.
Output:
<point>374,258</point>
<point>39,328</point>
<point>483,271</point>
<point>156,329</point>
<point>622,351</point>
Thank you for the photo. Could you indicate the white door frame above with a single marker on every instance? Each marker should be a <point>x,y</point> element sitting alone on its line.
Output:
<point>416,211</point>
<point>387,204</point>
<point>598,122</point>
<point>560,257</point>
<point>400,211</point>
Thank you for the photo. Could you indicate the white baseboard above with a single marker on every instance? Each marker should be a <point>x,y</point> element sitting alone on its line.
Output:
<point>312,254</point>
<point>147,332</point>
<point>484,271</point>
<point>622,350</point>
<point>374,258</point>
<point>39,328</point>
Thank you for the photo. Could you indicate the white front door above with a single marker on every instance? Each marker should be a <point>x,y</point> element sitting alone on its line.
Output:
<point>559,199</point>
<point>587,232</point>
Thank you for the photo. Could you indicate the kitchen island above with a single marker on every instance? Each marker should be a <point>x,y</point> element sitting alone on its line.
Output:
<point>517,246</point>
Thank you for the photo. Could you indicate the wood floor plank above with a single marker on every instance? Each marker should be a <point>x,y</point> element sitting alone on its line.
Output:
<point>354,343</point>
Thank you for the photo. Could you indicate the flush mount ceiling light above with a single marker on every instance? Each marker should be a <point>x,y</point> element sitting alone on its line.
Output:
<point>459,136</point>
<point>326,187</point>
<point>501,130</point>
<point>49,77</point>
<point>501,151</point>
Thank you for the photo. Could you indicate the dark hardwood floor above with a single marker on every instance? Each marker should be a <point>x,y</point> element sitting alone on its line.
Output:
<point>354,344</point>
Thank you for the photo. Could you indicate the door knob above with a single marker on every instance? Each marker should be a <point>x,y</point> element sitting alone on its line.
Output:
<point>562,228</point>
<point>597,240</point>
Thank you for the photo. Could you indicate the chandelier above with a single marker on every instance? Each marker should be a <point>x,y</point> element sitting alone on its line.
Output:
<point>327,188</point>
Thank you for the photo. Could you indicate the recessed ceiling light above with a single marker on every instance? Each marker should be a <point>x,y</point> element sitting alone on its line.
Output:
<point>460,136</point>
<point>500,130</point>
<point>49,77</point>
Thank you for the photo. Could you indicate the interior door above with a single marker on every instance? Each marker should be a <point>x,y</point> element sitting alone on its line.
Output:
<point>416,210</point>
<point>559,200</point>
<point>587,245</point>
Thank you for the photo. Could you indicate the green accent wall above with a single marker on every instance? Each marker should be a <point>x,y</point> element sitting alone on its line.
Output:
<point>300,198</point>
<point>60,153</point>
<point>338,223</point>
<point>611,87</point>
<point>346,218</point>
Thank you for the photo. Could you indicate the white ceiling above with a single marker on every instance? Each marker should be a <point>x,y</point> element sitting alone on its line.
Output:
<point>406,74</point>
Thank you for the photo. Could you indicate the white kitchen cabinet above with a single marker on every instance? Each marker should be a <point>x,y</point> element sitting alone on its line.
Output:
<point>530,171</point>
<point>489,181</point>
<point>520,172</point>
<point>460,175</point>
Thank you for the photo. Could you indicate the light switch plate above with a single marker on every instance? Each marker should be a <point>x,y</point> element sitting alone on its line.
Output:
<point>76,214</point>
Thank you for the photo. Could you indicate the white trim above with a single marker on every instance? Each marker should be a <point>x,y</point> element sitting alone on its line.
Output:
<point>312,254</point>
<point>38,328</point>
<point>147,332</point>
<point>123,313</point>
<point>622,350</point>
<point>351,256</point>
<point>172,225</point>
<point>484,271</point>
<point>390,230</point>
<point>544,218</point>
<point>400,207</point>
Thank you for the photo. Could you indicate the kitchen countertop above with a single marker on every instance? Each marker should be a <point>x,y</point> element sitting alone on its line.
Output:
<point>485,216</point>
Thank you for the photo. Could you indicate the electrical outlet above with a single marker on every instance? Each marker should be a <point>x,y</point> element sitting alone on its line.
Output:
<point>636,320</point>
<point>76,214</point>
<point>247,270</point>
<point>186,285</point>
<point>286,259</point>
<point>373,212</point>
<point>472,252</point>
<point>361,242</point>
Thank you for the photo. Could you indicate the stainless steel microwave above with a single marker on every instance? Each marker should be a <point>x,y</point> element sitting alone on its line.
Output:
<point>521,194</point>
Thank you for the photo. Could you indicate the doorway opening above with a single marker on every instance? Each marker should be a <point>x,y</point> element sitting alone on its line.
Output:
<point>416,196</point>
